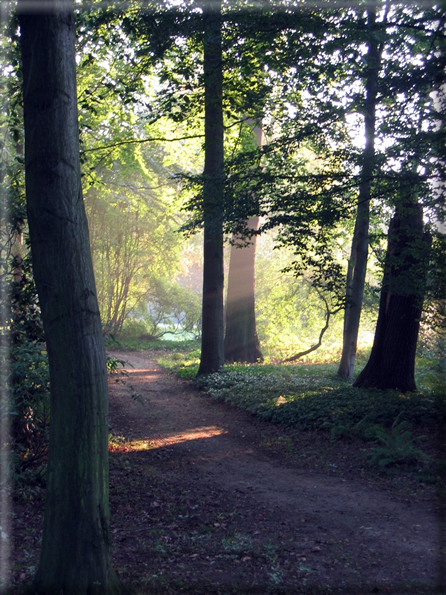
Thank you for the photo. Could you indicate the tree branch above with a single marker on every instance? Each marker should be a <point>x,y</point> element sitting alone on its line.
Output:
<point>141,141</point>
<point>328,314</point>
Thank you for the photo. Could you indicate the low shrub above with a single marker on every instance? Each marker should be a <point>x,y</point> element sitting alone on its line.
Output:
<point>184,363</point>
<point>133,329</point>
<point>29,385</point>
<point>396,446</point>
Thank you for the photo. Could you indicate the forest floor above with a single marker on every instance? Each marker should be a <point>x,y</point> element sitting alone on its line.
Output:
<point>208,499</point>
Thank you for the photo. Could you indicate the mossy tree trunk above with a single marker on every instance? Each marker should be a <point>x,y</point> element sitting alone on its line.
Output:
<point>212,312</point>
<point>392,361</point>
<point>75,555</point>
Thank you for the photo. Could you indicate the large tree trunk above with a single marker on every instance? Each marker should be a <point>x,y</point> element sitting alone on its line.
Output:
<point>392,360</point>
<point>357,266</point>
<point>75,555</point>
<point>212,351</point>
<point>241,340</point>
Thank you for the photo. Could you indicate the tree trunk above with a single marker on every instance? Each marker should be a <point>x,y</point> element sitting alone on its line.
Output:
<point>357,266</point>
<point>212,346</point>
<point>75,555</point>
<point>392,360</point>
<point>241,341</point>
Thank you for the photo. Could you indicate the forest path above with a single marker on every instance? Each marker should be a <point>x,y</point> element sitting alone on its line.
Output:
<point>198,506</point>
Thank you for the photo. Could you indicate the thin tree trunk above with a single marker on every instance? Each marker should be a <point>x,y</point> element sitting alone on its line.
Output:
<point>212,346</point>
<point>17,239</point>
<point>392,360</point>
<point>357,266</point>
<point>75,555</point>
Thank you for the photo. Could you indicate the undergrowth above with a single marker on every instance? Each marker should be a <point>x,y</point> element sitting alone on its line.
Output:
<point>29,413</point>
<point>313,397</point>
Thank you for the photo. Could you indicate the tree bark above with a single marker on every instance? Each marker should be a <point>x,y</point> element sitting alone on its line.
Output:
<point>212,345</point>
<point>357,266</point>
<point>392,360</point>
<point>75,555</point>
<point>241,340</point>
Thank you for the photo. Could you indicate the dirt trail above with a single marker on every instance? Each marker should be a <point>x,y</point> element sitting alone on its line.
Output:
<point>218,512</point>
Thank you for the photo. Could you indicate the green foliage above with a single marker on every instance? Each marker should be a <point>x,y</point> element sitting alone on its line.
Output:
<point>189,371</point>
<point>29,408</point>
<point>164,346</point>
<point>133,329</point>
<point>397,442</point>
<point>128,173</point>
<point>183,363</point>
<point>113,364</point>
<point>26,323</point>
<point>398,445</point>
<point>171,310</point>
<point>348,429</point>
<point>131,235</point>
<point>290,312</point>
<point>28,382</point>
<point>431,344</point>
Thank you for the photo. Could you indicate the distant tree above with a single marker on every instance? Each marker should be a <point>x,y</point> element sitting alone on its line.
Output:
<point>75,556</point>
<point>241,340</point>
<point>132,239</point>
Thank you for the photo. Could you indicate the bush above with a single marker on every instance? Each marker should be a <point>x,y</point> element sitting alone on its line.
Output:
<point>183,363</point>
<point>29,382</point>
<point>133,329</point>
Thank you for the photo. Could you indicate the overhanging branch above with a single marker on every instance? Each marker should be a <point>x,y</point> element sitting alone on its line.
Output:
<point>134,141</point>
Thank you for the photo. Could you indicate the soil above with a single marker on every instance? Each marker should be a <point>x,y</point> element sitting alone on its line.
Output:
<point>208,499</point>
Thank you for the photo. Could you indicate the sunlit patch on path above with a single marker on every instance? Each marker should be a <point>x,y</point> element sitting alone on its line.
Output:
<point>145,371</point>
<point>119,444</point>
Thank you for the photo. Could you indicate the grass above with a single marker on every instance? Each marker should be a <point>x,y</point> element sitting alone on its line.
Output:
<point>144,344</point>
